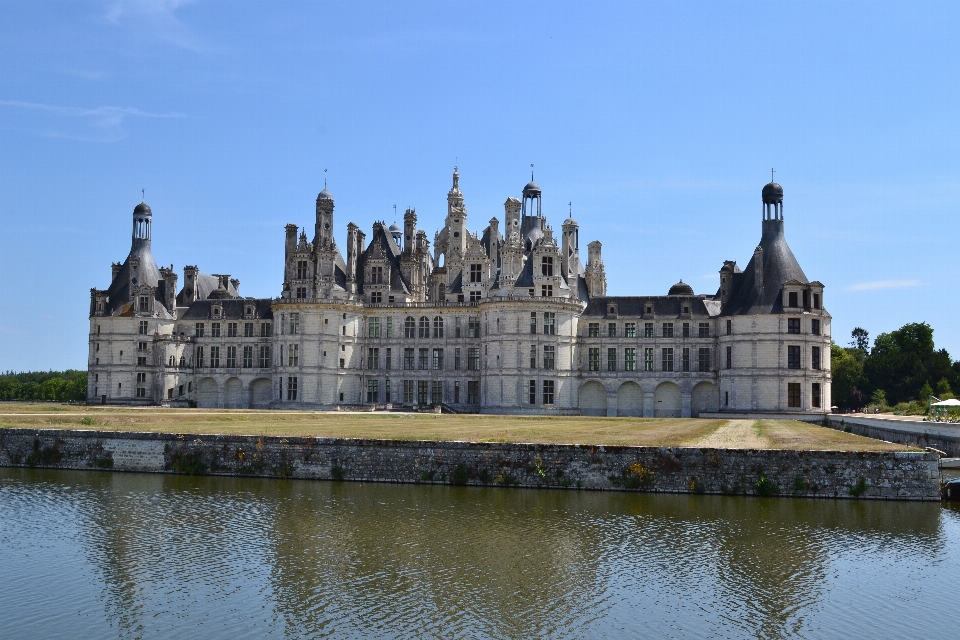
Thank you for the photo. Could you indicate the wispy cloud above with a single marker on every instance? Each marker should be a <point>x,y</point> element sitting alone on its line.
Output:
<point>106,120</point>
<point>884,284</point>
<point>156,17</point>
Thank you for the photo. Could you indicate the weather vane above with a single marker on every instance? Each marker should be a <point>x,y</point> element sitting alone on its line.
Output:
<point>143,195</point>
<point>571,208</point>
<point>324,178</point>
<point>531,172</point>
<point>771,174</point>
<point>394,214</point>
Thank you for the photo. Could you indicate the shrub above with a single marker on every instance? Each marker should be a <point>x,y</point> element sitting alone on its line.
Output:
<point>459,475</point>
<point>766,487</point>
<point>859,489</point>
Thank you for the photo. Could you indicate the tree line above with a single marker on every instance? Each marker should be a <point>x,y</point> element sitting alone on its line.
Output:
<point>44,385</point>
<point>902,370</point>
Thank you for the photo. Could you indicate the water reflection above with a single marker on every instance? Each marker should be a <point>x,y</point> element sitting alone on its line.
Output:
<point>170,555</point>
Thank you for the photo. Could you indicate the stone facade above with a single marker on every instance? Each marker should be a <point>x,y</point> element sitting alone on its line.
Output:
<point>815,474</point>
<point>495,322</point>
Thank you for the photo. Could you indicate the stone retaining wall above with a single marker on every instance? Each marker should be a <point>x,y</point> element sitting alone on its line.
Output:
<point>833,474</point>
<point>909,432</point>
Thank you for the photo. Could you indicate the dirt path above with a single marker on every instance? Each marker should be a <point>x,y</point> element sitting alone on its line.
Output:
<point>736,434</point>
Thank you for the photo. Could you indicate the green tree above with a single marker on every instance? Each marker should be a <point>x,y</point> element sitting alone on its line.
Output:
<point>901,361</point>
<point>943,388</point>
<point>861,339</point>
<point>879,398</point>
<point>847,369</point>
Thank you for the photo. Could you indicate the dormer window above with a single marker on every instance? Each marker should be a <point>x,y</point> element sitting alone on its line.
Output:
<point>476,272</point>
<point>144,303</point>
<point>793,298</point>
<point>546,266</point>
<point>816,301</point>
<point>216,312</point>
<point>301,269</point>
<point>649,309</point>
<point>613,309</point>
<point>249,311</point>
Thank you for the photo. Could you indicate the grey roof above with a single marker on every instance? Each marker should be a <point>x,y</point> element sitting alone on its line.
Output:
<point>232,309</point>
<point>206,285</point>
<point>457,285</point>
<point>779,266</point>
<point>680,289</point>
<point>325,195</point>
<point>147,273</point>
<point>143,207</point>
<point>772,193</point>
<point>391,251</point>
<point>531,188</point>
<point>526,276</point>
<point>662,306</point>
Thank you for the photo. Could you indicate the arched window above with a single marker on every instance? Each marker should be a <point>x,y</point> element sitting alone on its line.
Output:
<point>409,327</point>
<point>438,327</point>
<point>424,327</point>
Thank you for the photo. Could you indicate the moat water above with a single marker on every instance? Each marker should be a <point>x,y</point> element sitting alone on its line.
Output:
<point>117,555</point>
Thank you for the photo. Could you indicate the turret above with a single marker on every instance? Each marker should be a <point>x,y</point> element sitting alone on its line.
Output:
<point>323,231</point>
<point>569,250</point>
<point>142,223</point>
<point>726,280</point>
<point>409,230</point>
<point>170,288</point>
<point>511,212</point>
<point>352,255</point>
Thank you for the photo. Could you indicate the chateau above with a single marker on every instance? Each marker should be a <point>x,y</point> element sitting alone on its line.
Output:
<point>504,321</point>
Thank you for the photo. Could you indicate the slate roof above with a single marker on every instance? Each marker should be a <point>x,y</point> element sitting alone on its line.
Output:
<point>118,294</point>
<point>779,266</point>
<point>663,306</point>
<point>232,309</point>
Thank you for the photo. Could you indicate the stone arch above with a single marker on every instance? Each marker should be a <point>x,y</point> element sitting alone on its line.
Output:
<point>208,395</point>
<point>666,400</point>
<point>704,398</point>
<point>593,399</point>
<point>233,393</point>
<point>630,400</point>
<point>261,393</point>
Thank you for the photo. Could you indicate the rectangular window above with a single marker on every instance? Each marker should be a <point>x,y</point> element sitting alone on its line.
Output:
<point>611,329</point>
<point>704,330</point>
<point>456,392</point>
<point>456,326</point>
<point>422,389</point>
<point>532,392</point>
<point>533,323</point>
<point>388,360</point>
<point>793,325</point>
<point>611,359</point>
<point>729,357</point>
<point>476,273</point>
<point>793,394</point>
<point>473,392</point>
<point>343,365</point>
<point>793,303</point>
<point>686,329</point>
<point>593,357</point>
<point>376,275</point>
<point>815,327</point>
<point>215,329</point>
<point>264,356</point>
<point>231,357</point>
<point>294,323</point>
<point>231,329</point>
<point>142,361</point>
<point>549,357</point>
<point>630,329</point>
<point>729,327</point>
<point>546,266</point>
<point>144,303</point>
<point>473,359</point>
<point>214,356</point>
<point>423,362</point>
<point>815,394</point>
<point>247,329</point>
<point>144,328</point>
<point>141,392</point>
<point>292,388</point>
<point>293,355</point>
<point>386,390</point>
<point>456,359</point>
<point>686,359</point>
<point>667,329</point>
<point>248,357</point>
<point>408,391</point>
<point>409,327</point>
<point>816,303</point>
<point>436,392</point>
<point>389,327</point>
<point>630,359</point>
<point>473,327</point>
<point>301,292</point>
<point>815,358</point>
<point>373,358</point>
<point>199,356</point>
<point>198,329</point>
<point>548,386</point>
<point>438,327</point>
<point>141,346</point>
<point>593,330</point>
<point>476,296</point>
<point>373,391</point>
<point>373,328</point>
<point>666,360</point>
<point>793,356</point>
<point>546,290</point>
<point>703,359</point>
<point>437,359</point>
<point>533,356</point>
<point>408,359</point>
<point>549,323</point>
<point>301,269</point>
<point>266,329</point>
<point>647,329</point>
<point>648,359</point>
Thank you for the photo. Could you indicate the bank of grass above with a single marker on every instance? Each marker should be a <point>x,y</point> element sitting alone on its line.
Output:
<point>771,434</point>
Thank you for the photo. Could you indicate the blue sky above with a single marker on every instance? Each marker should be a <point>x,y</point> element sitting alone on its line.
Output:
<point>658,121</point>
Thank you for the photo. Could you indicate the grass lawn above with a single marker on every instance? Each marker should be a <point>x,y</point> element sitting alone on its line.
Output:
<point>733,434</point>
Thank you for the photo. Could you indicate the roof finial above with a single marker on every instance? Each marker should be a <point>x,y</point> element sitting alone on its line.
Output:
<point>324,178</point>
<point>394,214</point>
<point>531,172</point>
<point>571,208</point>
<point>143,195</point>
<point>771,174</point>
